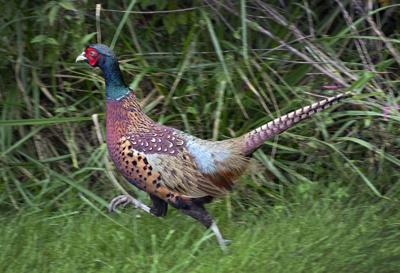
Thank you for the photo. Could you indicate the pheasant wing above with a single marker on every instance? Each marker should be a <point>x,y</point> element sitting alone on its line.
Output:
<point>160,161</point>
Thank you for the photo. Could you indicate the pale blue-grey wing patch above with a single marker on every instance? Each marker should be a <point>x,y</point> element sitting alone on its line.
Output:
<point>206,155</point>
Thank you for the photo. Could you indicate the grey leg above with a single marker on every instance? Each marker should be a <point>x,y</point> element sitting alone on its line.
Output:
<point>123,200</point>
<point>199,213</point>
<point>221,241</point>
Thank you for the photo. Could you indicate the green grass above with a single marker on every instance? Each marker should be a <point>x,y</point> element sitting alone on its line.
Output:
<point>306,236</point>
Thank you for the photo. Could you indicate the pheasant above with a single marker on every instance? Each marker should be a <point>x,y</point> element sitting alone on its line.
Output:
<point>173,167</point>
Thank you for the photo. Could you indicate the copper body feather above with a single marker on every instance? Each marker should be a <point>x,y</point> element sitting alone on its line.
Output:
<point>132,137</point>
<point>173,167</point>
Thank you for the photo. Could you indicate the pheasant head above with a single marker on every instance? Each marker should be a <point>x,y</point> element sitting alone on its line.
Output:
<point>99,55</point>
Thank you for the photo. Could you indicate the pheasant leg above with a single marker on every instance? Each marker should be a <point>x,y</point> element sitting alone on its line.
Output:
<point>159,207</point>
<point>124,200</point>
<point>200,214</point>
<point>221,241</point>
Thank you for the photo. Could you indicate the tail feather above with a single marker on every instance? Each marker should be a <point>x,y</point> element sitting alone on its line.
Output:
<point>255,138</point>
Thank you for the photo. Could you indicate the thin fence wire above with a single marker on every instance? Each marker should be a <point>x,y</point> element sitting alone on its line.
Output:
<point>156,11</point>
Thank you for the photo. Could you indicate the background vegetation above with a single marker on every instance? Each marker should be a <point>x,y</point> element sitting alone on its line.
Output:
<point>324,196</point>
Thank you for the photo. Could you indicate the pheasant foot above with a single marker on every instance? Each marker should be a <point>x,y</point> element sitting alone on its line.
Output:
<point>124,200</point>
<point>221,241</point>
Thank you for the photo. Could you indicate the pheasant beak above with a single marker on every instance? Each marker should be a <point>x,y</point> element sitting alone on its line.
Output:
<point>81,58</point>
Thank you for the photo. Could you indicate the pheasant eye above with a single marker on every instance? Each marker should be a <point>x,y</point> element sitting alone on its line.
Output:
<point>92,53</point>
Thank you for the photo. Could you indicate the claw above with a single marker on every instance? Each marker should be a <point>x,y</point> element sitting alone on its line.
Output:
<point>117,201</point>
<point>221,241</point>
<point>124,200</point>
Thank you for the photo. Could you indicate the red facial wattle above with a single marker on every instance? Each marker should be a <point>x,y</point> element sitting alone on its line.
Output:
<point>92,56</point>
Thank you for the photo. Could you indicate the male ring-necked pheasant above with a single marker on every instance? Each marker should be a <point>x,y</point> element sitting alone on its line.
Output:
<point>171,166</point>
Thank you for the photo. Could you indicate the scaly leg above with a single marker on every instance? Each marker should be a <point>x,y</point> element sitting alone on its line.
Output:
<point>199,213</point>
<point>159,207</point>
<point>221,241</point>
<point>124,200</point>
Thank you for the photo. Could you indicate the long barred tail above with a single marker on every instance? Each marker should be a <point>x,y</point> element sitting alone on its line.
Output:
<point>255,138</point>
